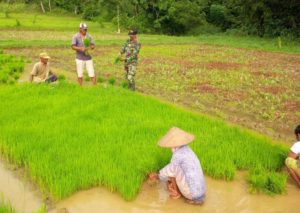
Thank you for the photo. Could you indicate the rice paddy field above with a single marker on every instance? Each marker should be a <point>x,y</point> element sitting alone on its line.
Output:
<point>237,95</point>
<point>75,138</point>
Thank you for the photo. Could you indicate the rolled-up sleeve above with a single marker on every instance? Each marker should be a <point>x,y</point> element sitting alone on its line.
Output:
<point>168,171</point>
<point>91,40</point>
<point>74,41</point>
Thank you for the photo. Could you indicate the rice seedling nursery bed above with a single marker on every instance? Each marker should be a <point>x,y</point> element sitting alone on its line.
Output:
<point>70,138</point>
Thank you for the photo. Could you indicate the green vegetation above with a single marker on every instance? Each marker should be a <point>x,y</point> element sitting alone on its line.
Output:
<point>253,17</point>
<point>52,30</point>
<point>267,182</point>
<point>113,141</point>
<point>6,207</point>
<point>10,68</point>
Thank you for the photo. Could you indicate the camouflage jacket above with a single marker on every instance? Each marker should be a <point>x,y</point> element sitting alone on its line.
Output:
<point>131,50</point>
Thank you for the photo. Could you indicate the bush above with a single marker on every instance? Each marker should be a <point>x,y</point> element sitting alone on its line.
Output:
<point>90,12</point>
<point>205,29</point>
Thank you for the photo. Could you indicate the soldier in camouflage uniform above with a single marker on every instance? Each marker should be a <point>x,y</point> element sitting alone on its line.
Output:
<point>131,50</point>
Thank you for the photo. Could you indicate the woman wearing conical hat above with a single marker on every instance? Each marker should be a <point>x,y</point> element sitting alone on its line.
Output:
<point>183,174</point>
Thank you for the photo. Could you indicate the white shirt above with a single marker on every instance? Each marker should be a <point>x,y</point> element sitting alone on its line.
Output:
<point>296,148</point>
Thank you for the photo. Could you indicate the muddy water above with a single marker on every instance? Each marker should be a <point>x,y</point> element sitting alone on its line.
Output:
<point>221,197</point>
<point>21,194</point>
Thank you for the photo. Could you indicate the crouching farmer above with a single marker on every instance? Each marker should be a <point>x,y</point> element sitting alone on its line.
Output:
<point>41,71</point>
<point>292,162</point>
<point>183,174</point>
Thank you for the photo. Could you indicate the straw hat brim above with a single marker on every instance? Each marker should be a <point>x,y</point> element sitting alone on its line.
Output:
<point>176,137</point>
<point>45,56</point>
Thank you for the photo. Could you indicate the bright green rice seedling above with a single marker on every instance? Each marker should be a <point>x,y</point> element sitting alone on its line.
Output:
<point>18,23</point>
<point>108,136</point>
<point>86,42</point>
<point>112,80</point>
<point>100,79</point>
<point>10,68</point>
<point>6,207</point>
<point>86,77</point>
<point>117,60</point>
<point>265,181</point>
<point>125,84</point>
<point>61,77</point>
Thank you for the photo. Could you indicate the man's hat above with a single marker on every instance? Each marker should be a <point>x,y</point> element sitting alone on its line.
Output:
<point>133,31</point>
<point>176,137</point>
<point>44,55</point>
<point>83,25</point>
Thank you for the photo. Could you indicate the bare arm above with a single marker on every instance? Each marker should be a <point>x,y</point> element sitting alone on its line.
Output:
<point>81,49</point>
<point>31,78</point>
<point>293,155</point>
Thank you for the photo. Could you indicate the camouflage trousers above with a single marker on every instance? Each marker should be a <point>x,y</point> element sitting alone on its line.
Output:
<point>130,70</point>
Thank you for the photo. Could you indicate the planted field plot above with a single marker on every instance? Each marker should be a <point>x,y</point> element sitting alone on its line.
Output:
<point>70,138</point>
<point>10,68</point>
<point>237,85</point>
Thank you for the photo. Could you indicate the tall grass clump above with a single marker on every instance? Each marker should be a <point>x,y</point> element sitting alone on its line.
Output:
<point>6,207</point>
<point>11,68</point>
<point>265,181</point>
<point>70,138</point>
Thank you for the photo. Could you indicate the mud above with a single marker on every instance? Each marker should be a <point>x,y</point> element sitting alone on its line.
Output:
<point>221,196</point>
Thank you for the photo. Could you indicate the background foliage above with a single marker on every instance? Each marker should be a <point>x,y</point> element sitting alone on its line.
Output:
<point>253,17</point>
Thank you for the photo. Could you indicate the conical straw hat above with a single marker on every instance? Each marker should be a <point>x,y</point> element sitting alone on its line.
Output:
<point>176,137</point>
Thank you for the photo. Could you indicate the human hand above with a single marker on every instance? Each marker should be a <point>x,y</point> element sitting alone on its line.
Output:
<point>153,176</point>
<point>82,49</point>
<point>153,179</point>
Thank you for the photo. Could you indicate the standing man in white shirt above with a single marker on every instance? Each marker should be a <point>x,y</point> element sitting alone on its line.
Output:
<point>81,43</point>
<point>292,162</point>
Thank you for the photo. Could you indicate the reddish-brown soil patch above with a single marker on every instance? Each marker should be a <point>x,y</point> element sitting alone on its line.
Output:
<point>265,74</point>
<point>148,69</point>
<point>183,63</point>
<point>273,89</point>
<point>222,65</point>
<point>205,88</point>
<point>292,106</point>
<point>234,95</point>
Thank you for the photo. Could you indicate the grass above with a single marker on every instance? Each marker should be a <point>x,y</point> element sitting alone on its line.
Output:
<point>56,29</point>
<point>70,138</point>
<point>6,207</point>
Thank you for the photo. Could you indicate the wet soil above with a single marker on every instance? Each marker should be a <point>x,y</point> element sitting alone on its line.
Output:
<point>221,196</point>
